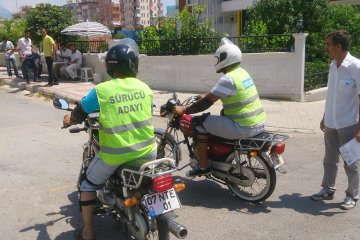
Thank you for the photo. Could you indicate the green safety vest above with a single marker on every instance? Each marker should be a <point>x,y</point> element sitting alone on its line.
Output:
<point>244,107</point>
<point>125,123</point>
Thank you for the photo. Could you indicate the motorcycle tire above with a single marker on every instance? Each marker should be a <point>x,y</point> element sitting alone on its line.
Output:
<point>162,232</point>
<point>168,148</point>
<point>260,183</point>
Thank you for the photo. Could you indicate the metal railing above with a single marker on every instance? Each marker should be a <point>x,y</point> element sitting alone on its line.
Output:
<point>92,46</point>
<point>194,46</point>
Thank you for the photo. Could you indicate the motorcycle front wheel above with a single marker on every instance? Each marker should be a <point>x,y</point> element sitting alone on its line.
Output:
<point>257,179</point>
<point>166,147</point>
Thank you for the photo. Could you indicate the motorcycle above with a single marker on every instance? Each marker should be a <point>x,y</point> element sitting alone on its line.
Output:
<point>140,195</point>
<point>246,166</point>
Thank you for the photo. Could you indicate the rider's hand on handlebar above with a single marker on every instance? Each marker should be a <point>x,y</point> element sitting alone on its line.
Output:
<point>67,120</point>
<point>178,110</point>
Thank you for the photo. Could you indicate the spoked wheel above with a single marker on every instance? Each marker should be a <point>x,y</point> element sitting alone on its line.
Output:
<point>166,147</point>
<point>256,179</point>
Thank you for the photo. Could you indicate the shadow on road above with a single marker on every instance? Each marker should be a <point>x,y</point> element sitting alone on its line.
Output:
<point>209,194</point>
<point>68,213</point>
<point>303,204</point>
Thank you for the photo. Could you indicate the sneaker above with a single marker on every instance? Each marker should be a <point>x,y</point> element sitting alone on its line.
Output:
<point>348,203</point>
<point>198,172</point>
<point>56,83</point>
<point>323,195</point>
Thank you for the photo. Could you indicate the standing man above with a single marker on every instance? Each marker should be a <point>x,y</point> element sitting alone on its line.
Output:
<point>49,49</point>
<point>27,57</point>
<point>8,48</point>
<point>75,62</point>
<point>340,122</point>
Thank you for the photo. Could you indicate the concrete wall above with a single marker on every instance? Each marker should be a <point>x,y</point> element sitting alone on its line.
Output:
<point>276,75</point>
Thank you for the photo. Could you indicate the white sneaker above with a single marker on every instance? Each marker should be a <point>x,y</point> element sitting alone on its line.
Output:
<point>348,203</point>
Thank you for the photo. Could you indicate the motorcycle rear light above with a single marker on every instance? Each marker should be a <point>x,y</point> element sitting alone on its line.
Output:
<point>279,148</point>
<point>162,183</point>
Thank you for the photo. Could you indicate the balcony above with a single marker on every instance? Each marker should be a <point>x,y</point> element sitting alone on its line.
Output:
<point>236,5</point>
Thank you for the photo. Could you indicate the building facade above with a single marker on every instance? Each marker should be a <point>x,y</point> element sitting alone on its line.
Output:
<point>118,14</point>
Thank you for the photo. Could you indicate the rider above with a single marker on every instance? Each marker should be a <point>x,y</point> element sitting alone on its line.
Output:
<point>126,132</point>
<point>243,114</point>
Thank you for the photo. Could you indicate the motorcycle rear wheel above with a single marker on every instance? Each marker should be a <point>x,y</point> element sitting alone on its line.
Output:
<point>162,232</point>
<point>262,183</point>
<point>166,147</point>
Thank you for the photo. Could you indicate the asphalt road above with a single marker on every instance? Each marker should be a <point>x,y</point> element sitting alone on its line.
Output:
<point>39,166</point>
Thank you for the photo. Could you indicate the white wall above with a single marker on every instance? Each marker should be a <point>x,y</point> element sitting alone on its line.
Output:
<point>276,75</point>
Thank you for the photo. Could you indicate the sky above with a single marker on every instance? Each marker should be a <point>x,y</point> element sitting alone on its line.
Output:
<point>11,4</point>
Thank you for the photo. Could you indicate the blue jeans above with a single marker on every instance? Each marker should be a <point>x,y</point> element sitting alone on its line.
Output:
<point>30,62</point>
<point>9,62</point>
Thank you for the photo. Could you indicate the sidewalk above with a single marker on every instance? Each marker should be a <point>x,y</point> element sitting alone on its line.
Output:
<point>283,116</point>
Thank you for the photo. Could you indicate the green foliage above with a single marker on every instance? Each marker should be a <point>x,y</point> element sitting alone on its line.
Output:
<point>13,29</point>
<point>52,17</point>
<point>317,17</point>
<point>181,34</point>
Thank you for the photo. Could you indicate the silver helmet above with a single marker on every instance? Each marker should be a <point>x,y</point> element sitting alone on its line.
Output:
<point>227,54</point>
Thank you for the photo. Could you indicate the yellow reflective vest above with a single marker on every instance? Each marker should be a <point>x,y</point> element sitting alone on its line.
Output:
<point>244,107</point>
<point>125,123</point>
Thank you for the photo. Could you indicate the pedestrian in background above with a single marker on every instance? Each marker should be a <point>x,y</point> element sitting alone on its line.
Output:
<point>64,55</point>
<point>340,122</point>
<point>8,48</point>
<point>27,57</point>
<point>75,62</point>
<point>49,50</point>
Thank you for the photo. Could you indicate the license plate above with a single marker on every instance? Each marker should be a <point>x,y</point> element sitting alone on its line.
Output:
<point>163,202</point>
<point>277,160</point>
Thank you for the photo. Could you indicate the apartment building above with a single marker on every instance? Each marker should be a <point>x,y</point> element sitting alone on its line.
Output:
<point>124,14</point>
<point>226,15</point>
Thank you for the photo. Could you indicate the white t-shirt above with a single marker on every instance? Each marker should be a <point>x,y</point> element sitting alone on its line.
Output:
<point>24,45</point>
<point>66,53</point>
<point>342,100</point>
<point>224,88</point>
<point>7,45</point>
<point>77,55</point>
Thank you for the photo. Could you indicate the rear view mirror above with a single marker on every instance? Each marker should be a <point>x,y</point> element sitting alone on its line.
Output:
<point>60,103</point>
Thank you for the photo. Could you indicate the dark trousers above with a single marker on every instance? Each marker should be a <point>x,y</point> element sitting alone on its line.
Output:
<point>27,63</point>
<point>9,62</point>
<point>49,64</point>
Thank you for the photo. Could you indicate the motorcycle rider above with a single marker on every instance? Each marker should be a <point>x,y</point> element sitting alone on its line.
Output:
<point>126,132</point>
<point>242,115</point>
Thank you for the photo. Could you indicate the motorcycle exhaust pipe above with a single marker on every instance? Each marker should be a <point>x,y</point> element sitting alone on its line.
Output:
<point>177,229</point>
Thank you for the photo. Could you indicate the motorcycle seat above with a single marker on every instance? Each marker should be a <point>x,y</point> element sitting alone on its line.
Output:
<point>134,165</point>
<point>259,141</point>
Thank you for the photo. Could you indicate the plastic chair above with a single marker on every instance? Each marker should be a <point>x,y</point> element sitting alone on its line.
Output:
<point>87,74</point>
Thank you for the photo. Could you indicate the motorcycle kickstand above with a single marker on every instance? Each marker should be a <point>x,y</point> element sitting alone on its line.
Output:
<point>183,167</point>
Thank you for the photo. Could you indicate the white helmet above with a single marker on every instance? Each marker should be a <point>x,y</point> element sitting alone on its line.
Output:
<point>227,54</point>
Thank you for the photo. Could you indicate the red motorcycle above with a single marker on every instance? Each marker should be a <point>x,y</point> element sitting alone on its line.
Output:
<point>247,166</point>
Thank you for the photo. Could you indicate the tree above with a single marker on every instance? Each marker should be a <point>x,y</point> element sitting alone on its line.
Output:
<point>316,17</point>
<point>13,29</point>
<point>182,34</point>
<point>52,17</point>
